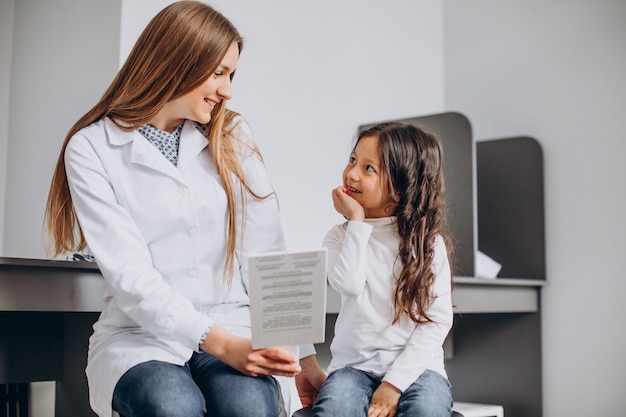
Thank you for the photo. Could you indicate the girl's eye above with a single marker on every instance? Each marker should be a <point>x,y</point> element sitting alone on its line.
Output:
<point>217,73</point>
<point>352,160</point>
<point>370,168</point>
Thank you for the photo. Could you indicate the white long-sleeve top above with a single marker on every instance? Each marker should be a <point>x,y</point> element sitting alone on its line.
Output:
<point>158,234</point>
<point>362,268</point>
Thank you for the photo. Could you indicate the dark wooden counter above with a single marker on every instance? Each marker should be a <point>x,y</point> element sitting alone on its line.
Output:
<point>47,309</point>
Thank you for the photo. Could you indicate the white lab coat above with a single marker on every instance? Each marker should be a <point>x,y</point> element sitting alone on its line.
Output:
<point>158,233</point>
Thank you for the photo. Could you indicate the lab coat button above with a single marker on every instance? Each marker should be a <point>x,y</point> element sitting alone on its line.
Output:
<point>192,273</point>
<point>192,231</point>
<point>183,190</point>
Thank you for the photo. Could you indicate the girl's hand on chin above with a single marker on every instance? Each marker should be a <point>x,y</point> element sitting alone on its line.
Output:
<point>347,206</point>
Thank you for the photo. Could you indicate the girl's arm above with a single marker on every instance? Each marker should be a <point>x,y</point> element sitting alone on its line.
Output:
<point>347,246</point>
<point>347,257</point>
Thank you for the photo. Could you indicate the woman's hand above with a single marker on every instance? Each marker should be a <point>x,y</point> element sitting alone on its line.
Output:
<point>384,402</point>
<point>310,380</point>
<point>237,352</point>
<point>347,206</point>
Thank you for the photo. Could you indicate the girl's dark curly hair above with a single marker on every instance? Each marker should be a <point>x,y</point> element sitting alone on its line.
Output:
<point>411,160</point>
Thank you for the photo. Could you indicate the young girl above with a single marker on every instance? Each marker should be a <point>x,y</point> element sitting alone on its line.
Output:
<point>389,262</point>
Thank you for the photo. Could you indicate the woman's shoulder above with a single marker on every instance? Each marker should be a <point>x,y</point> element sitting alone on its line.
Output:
<point>103,133</point>
<point>99,128</point>
<point>92,133</point>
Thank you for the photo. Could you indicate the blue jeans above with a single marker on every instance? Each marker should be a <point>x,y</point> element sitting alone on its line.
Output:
<point>347,393</point>
<point>203,387</point>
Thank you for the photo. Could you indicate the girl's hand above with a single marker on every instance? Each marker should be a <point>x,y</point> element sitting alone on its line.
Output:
<point>346,205</point>
<point>384,402</point>
<point>237,352</point>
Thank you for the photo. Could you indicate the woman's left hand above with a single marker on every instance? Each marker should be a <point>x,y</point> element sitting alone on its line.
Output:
<point>384,402</point>
<point>237,352</point>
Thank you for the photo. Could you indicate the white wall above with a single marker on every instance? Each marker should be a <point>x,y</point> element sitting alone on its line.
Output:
<point>64,54</point>
<point>6,43</point>
<point>557,71</point>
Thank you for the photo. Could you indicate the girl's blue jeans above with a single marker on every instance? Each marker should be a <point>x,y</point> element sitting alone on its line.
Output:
<point>204,386</point>
<point>347,393</point>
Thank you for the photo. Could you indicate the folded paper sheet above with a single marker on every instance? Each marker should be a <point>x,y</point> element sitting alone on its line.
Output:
<point>288,298</point>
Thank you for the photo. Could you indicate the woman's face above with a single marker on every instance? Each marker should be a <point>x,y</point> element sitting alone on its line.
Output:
<point>198,104</point>
<point>364,179</point>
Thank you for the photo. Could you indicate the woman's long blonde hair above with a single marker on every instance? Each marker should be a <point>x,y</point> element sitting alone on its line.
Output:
<point>180,47</point>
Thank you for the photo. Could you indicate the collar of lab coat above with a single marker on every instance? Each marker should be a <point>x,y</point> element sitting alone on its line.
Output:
<point>192,142</point>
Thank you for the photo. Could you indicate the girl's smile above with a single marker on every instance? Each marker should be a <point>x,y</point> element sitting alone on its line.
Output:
<point>351,190</point>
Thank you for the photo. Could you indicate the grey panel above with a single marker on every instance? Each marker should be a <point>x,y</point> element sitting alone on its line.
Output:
<point>510,205</point>
<point>497,360</point>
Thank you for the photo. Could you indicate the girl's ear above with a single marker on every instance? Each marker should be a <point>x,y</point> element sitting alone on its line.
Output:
<point>394,195</point>
<point>394,199</point>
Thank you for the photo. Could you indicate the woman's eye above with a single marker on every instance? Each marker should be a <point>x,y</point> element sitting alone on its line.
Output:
<point>217,74</point>
<point>352,160</point>
<point>370,168</point>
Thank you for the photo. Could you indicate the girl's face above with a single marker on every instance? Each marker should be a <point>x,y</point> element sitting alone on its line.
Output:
<point>198,104</point>
<point>364,180</point>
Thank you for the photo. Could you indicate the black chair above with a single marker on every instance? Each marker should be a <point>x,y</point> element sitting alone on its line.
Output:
<point>303,412</point>
<point>306,412</point>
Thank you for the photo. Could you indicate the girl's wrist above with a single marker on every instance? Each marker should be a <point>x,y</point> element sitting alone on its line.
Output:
<point>357,215</point>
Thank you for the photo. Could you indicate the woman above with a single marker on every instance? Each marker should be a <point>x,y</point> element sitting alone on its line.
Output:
<point>168,191</point>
